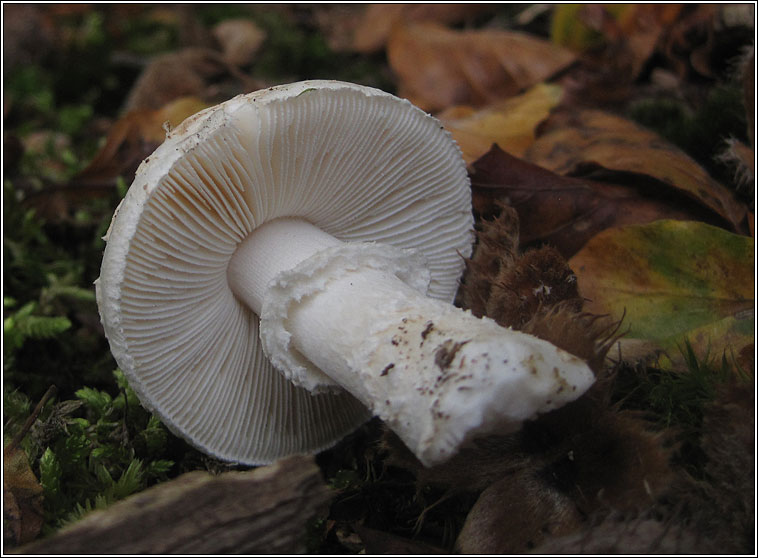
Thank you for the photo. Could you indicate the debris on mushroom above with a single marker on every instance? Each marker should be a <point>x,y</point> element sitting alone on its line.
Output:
<point>284,266</point>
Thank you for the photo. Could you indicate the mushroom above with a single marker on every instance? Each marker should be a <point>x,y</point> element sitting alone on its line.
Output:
<point>283,268</point>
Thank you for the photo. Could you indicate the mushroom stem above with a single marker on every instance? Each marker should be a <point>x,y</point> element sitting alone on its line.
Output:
<point>436,374</point>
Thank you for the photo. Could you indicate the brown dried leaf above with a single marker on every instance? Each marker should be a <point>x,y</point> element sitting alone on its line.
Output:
<point>437,67</point>
<point>580,142</point>
<point>560,210</point>
<point>240,40</point>
<point>629,31</point>
<point>337,24</point>
<point>23,513</point>
<point>374,27</point>
<point>616,42</point>
<point>190,72</point>
<point>133,137</point>
<point>688,42</point>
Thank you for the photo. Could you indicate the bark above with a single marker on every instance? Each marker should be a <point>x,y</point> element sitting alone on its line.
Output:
<point>262,511</point>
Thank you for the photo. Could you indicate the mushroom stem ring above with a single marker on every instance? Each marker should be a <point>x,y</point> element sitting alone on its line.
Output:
<point>356,317</point>
<point>282,268</point>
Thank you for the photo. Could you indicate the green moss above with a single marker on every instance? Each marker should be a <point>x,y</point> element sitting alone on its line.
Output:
<point>96,450</point>
<point>677,400</point>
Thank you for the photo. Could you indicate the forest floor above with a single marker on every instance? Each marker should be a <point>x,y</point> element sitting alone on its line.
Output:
<point>620,141</point>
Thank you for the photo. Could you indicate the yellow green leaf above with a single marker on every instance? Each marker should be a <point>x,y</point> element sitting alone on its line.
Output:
<point>510,123</point>
<point>670,281</point>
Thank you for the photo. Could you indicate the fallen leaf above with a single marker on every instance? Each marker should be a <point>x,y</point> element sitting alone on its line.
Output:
<point>438,67</point>
<point>583,27</point>
<point>671,281</point>
<point>630,32</point>
<point>615,42</point>
<point>133,137</point>
<point>23,513</point>
<point>190,72</point>
<point>562,211</point>
<point>687,45</point>
<point>511,123</point>
<point>374,27</point>
<point>22,503</point>
<point>240,40</point>
<point>582,142</point>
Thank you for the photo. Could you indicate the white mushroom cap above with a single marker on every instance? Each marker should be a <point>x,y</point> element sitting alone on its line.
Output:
<point>360,164</point>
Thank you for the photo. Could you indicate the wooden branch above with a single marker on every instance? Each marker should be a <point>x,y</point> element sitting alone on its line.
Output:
<point>262,511</point>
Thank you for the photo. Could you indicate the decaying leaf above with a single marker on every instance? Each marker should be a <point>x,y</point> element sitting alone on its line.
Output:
<point>617,42</point>
<point>240,40</point>
<point>133,137</point>
<point>671,280</point>
<point>23,514</point>
<point>560,210</point>
<point>375,25</point>
<point>582,142</point>
<point>510,124</point>
<point>22,499</point>
<point>190,72</point>
<point>438,67</point>
<point>630,31</point>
